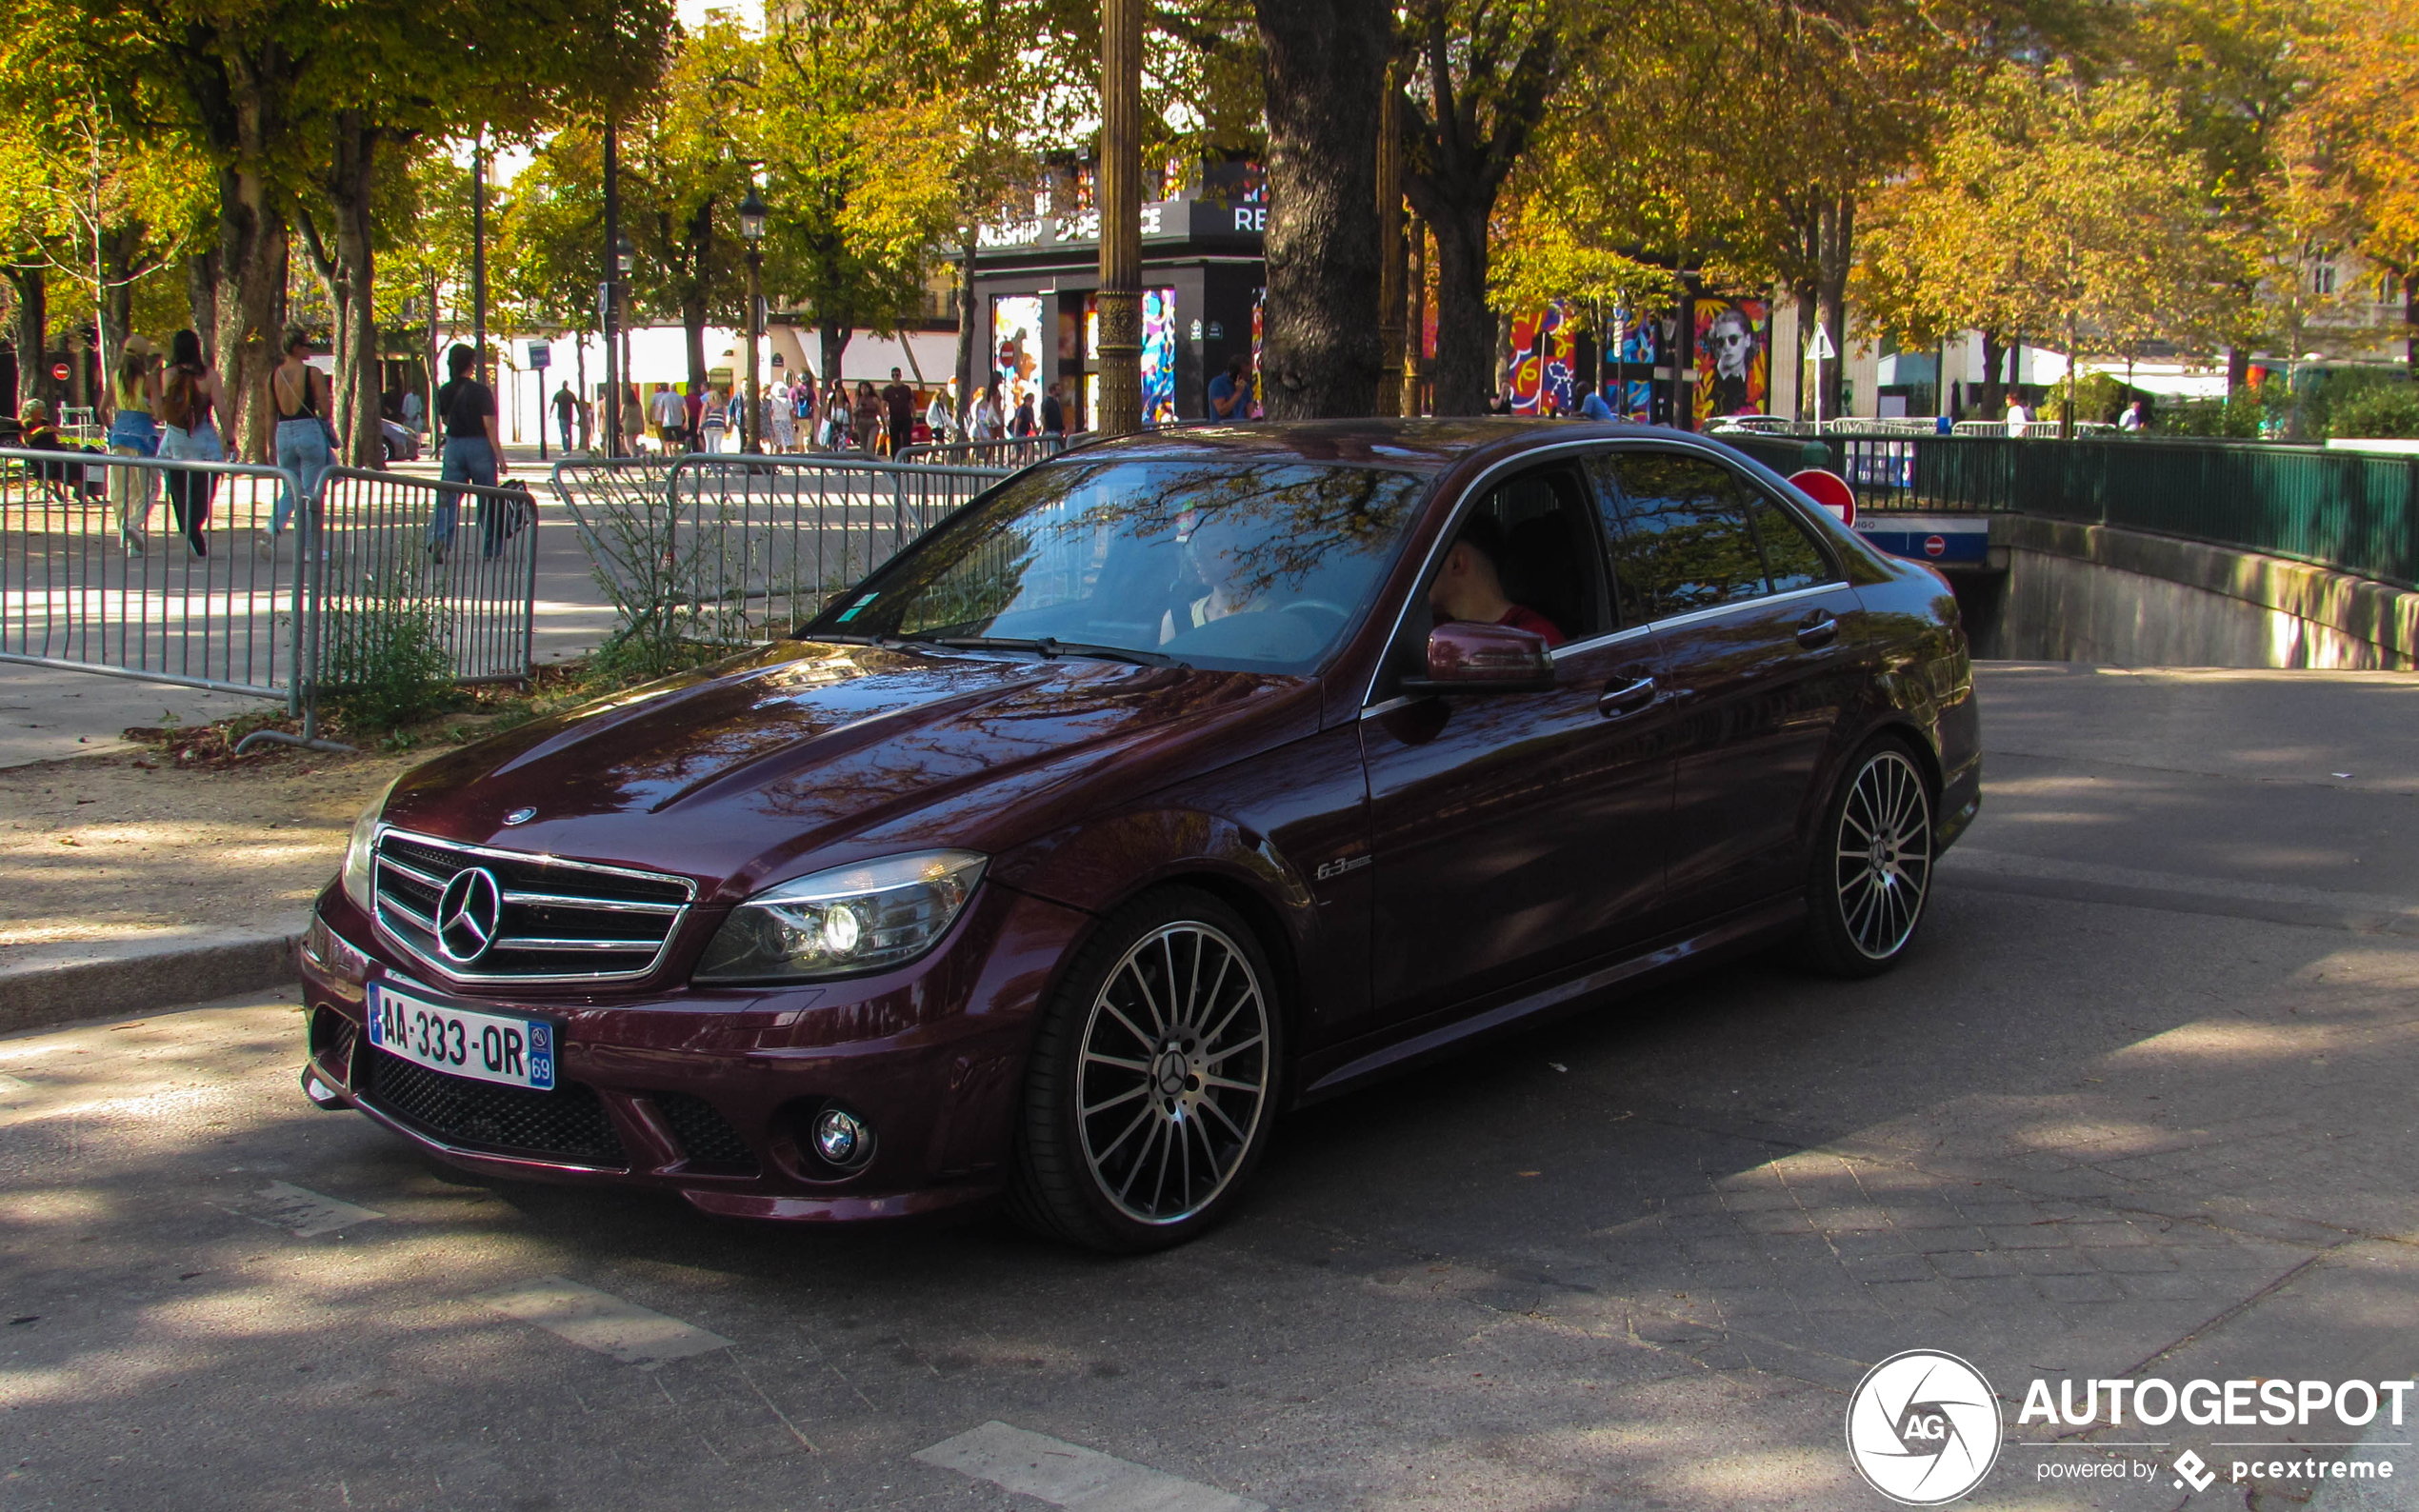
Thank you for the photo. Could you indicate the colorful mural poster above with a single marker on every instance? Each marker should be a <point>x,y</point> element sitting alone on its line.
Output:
<point>1259,343</point>
<point>1542,353</point>
<point>1016,350</point>
<point>1734,357</point>
<point>1636,346</point>
<point>1158,356</point>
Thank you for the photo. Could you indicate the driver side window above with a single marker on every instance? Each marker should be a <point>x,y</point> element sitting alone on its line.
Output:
<point>1549,554</point>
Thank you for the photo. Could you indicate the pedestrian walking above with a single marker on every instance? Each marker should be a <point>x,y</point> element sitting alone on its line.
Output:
<point>134,392</point>
<point>414,412</point>
<point>473,453</point>
<point>301,399</point>
<point>566,406</point>
<point>189,403</point>
<point>899,400</point>
<point>2135,420</point>
<point>936,415</point>
<point>781,419</point>
<point>2019,420</point>
<point>693,411</point>
<point>1024,424</point>
<point>1053,413</point>
<point>633,421</point>
<point>714,420</point>
<point>836,410</point>
<point>588,425</point>
<point>986,421</point>
<point>669,418</point>
<point>866,416</point>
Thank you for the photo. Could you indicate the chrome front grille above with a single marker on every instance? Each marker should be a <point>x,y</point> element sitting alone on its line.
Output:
<point>556,920</point>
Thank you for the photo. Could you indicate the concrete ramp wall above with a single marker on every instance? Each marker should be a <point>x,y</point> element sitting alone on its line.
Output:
<point>2122,598</point>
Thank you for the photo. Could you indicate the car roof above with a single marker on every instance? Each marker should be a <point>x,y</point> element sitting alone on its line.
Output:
<point>1426,444</point>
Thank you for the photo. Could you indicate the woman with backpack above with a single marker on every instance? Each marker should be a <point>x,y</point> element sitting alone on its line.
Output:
<point>473,453</point>
<point>189,401</point>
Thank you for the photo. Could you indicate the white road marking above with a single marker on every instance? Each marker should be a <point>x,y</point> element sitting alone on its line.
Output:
<point>300,1212</point>
<point>1071,1476</point>
<point>600,1321</point>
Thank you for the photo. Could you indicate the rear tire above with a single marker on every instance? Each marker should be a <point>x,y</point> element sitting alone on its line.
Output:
<point>1870,874</point>
<point>1152,1088</point>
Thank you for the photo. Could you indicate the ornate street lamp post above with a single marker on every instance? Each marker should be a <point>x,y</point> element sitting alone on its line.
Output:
<point>751,225</point>
<point>1120,296</point>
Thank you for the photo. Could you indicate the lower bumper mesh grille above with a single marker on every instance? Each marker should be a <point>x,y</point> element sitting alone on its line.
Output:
<point>706,1136</point>
<point>567,1124</point>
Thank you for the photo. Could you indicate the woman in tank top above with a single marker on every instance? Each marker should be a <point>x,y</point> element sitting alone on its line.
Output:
<point>299,398</point>
<point>134,390</point>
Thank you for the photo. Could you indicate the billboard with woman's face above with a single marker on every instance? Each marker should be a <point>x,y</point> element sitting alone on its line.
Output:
<point>1734,357</point>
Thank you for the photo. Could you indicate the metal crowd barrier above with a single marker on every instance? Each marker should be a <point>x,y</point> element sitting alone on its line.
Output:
<point>754,546</point>
<point>384,558</point>
<point>730,548</point>
<point>1011,452</point>
<point>204,603</point>
<point>203,597</point>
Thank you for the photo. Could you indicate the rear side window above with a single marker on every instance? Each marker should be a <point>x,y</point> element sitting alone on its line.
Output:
<point>1791,559</point>
<point>1680,537</point>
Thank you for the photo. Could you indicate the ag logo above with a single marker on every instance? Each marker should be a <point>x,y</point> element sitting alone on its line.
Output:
<point>1923,1427</point>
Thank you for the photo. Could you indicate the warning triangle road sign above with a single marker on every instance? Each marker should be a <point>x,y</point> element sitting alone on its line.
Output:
<point>1820,348</point>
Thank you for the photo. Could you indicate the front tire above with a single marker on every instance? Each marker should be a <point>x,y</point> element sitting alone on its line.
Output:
<point>1870,873</point>
<point>1152,1089</point>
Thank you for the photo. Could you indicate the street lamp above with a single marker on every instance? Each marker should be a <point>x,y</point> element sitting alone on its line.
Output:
<point>751,225</point>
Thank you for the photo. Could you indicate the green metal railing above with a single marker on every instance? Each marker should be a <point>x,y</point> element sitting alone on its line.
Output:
<point>2356,512</point>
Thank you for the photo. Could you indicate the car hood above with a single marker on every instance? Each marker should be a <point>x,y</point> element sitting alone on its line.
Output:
<point>808,753</point>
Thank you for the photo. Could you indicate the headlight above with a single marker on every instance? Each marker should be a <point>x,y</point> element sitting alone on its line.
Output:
<point>359,850</point>
<point>838,922</point>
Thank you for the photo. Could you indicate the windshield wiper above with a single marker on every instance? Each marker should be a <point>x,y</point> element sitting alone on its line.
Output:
<point>1048,646</point>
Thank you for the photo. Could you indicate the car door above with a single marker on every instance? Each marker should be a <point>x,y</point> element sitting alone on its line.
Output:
<point>1516,834</point>
<point>1754,620</point>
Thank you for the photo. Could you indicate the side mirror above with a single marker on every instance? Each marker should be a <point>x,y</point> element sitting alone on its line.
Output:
<point>1467,658</point>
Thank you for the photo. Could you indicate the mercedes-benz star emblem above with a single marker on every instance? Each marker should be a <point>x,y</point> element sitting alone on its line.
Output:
<point>467,913</point>
<point>520,816</point>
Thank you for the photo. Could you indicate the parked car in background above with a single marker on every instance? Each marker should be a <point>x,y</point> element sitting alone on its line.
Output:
<point>402,441</point>
<point>1175,782</point>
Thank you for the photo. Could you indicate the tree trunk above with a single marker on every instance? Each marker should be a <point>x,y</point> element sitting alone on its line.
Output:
<point>200,294</point>
<point>835,334</point>
<point>352,288</point>
<point>1323,69</point>
<point>120,245</point>
<point>250,301</point>
<point>1994,401</point>
<point>32,311</point>
<point>1802,404</point>
<point>1464,371</point>
<point>2238,369</point>
<point>967,327</point>
<point>1839,240</point>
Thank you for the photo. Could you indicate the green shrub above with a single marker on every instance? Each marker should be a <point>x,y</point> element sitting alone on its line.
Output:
<point>2388,410</point>
<point>383,666</point>
<point>2246,415</point>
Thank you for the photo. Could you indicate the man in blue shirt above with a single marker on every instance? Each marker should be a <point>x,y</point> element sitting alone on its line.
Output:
<point>1595,407</point>
<point>1229,392</point>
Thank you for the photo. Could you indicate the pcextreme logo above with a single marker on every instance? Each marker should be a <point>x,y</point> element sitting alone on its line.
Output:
<point>1923,1427</point>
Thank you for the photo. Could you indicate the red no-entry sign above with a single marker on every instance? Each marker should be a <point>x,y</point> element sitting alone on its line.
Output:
<point>59,370</point>
<point>1829,489</point>
<point>1934,545</point>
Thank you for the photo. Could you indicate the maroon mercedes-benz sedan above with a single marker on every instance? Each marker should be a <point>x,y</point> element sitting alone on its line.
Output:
<point>1175,782</point>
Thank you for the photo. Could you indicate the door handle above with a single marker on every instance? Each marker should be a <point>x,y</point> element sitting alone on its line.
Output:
<point>1817,629</point>
<point>1626,699</point>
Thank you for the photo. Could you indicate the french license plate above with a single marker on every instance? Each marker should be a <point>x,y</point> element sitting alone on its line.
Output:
<point>485,1046</point>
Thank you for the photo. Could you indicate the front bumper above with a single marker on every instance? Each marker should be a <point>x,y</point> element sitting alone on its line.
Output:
<point>709,1092</point>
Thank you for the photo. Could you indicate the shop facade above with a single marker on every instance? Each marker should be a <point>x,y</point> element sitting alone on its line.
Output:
<point>1035,288</point>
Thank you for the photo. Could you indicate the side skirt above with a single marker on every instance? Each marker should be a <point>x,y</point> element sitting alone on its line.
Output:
<point>1756,925</point>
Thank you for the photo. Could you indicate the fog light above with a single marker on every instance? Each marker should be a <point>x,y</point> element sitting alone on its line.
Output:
<point>841,1138</point>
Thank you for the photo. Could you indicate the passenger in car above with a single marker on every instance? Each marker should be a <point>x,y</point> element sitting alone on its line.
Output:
<point>1469,586</point>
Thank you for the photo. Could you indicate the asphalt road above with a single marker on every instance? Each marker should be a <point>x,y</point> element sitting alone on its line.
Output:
<point>2139,1105</point>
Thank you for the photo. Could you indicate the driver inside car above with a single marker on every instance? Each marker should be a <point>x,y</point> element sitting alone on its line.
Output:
<point>1469,585</point>
<point>1213,547</point>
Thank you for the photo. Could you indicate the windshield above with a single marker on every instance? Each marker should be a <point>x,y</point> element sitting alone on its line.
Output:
<point>1257,566</point>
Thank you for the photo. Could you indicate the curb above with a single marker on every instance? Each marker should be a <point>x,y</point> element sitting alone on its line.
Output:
<point>40,994</point>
